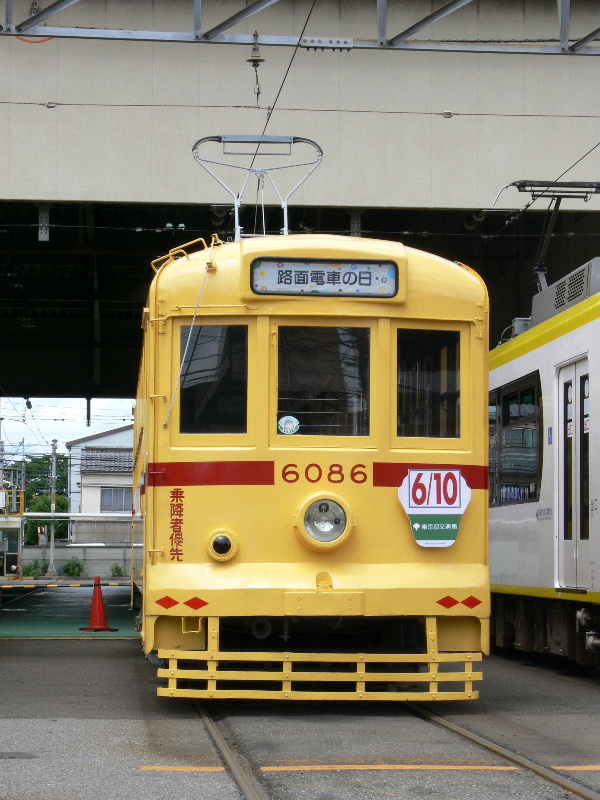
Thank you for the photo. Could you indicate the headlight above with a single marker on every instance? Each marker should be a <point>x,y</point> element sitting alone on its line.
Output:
<point>222,545</point>
<point>325,520</point>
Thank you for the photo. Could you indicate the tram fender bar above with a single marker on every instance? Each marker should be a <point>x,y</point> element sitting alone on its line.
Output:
<point>323,604</point>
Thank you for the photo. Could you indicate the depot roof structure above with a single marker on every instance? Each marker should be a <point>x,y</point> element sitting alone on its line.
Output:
<point>378,33</point>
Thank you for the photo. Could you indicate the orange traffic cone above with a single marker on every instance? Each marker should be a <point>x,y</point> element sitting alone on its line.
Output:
<point>98,616</point>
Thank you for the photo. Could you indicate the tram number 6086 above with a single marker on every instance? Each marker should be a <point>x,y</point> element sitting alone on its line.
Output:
<point>334,473</point>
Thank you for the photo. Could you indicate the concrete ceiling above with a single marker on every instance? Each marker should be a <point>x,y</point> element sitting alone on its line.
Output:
<point>71,303</point>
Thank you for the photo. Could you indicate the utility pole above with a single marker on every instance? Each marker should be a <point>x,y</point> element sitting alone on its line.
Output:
<point>22,530</point>
<point>1,457</point>
<point>51,572</point>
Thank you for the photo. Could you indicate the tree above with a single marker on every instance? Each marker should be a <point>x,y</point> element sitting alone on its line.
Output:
<point>44,503</point>
<point>38,471</point>
<point>38,488</point>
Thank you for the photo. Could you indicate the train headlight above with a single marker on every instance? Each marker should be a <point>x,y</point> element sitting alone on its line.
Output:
<point>222,545</point>
<point>323,522</point>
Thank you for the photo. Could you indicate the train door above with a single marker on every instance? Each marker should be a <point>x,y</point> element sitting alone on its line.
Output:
<point>573,475</point>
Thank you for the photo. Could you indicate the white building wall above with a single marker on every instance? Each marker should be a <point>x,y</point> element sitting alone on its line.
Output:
<point>127,113</point>
<point>93,482</point>
<point>120,437</point>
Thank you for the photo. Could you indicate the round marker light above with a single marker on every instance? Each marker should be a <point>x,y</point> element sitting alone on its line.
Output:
<point>325,520</point>
<point>222,544</point>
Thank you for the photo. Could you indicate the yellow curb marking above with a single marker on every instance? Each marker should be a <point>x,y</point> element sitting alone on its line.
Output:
<point>316,767</point>
<point>337,767</point>
<point>591,768</point>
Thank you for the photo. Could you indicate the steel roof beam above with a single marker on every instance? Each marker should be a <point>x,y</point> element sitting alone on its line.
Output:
<point>585,40</point>
<point>564,23</point>
<point>523,48</point>
<point>197,18</point>
<point>241,15</point>
<point>442,12</point>
<point>585,46</point>
<point>44,14</point>
<point>382,21</point>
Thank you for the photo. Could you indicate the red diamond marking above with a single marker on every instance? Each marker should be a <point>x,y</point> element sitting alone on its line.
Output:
<point>448,601</point>
<point>195,603</point>
<point>167,602</point>
<point>471,602</point>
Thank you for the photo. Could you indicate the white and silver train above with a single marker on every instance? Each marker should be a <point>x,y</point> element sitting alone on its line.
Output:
<point>544,486</point>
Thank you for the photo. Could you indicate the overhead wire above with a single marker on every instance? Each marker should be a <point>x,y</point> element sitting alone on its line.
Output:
<point>23,420</point>
<point>515,216</point>
<point>41,445</point>
<point>271,108</point>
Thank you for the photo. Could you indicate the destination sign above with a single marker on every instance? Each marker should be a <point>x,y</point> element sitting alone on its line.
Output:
<point>326,277</point>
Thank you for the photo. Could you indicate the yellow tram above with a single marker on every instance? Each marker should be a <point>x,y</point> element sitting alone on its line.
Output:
<point>311,457</point>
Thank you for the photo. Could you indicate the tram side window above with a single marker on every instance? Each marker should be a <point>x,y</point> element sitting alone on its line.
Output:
<point>323,381</point>
<point>214,379</point>
<point>429,383</point>
<point>515,452</point>
<point>493,423</point>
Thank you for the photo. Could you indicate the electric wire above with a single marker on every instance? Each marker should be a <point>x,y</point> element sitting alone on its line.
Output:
<point>271,108</point>
<point>23,420</point>
<point>307,109</point>
<point>339,231</point>
<point>514,217</point>
<point>41,446</point>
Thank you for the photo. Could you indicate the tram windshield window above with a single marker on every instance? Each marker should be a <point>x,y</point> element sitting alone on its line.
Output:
<point>323,381</point>
<point>428,383</point>
<point>214,379</point>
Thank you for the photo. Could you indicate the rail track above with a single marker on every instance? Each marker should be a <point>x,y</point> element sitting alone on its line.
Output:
<point>525,763</point>
<point>248,779</point>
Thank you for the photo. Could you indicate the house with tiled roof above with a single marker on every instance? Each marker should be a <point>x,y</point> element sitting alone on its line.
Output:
<point>100,481</point>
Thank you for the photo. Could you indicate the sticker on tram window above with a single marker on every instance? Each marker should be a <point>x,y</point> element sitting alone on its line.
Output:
<point>323,276</point>
<point>288,425</point>
<point>435,500</point>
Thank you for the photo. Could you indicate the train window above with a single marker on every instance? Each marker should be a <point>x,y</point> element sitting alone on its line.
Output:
<point>428,383</point>
<point>515,452</point>
<point>214,379</point>
<point>493,421</point>
<point>568,425</point>
<point>323,381</point>
<point>584,457</point>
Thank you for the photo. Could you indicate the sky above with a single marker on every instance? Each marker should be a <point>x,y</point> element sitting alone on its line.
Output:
<point>32,430</point>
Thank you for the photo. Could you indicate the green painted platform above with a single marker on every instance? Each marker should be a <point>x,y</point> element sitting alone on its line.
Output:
<point>59,612</point>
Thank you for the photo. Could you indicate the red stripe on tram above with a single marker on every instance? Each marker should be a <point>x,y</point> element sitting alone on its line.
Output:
<point>388,474</point>
<point>212,473</point>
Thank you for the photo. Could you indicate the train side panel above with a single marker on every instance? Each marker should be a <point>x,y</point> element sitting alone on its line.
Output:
<point>544,521</point>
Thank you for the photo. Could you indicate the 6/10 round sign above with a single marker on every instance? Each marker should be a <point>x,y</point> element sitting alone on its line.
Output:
<point>434,488</point>
<point>435,500</point>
